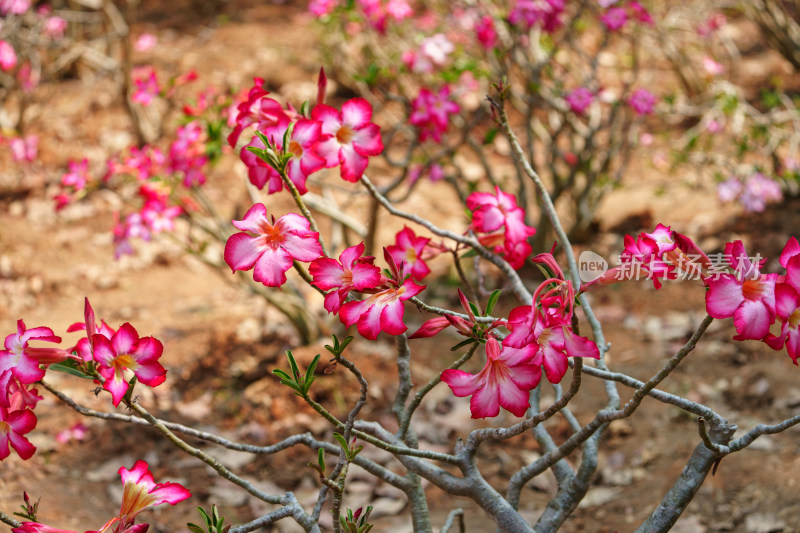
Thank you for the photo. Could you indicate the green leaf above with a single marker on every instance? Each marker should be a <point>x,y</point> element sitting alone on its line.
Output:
<point>69,367</point>
<point>344,344</point>
<point>196,529</point>
<point>492,301</point>
<point>462,344</point>
<point>321,459</point>
<point>340,439</point>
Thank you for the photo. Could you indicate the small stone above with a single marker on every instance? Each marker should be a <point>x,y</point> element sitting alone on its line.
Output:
<point>764,523</point>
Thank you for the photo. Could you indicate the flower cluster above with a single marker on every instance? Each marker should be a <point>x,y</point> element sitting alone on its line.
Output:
<point>540,338</point>
<point>106,355</point>
<point>139,492</point>
<point>753,193</point>
<point>381,310</point>
<point>329,138</point>
<point>430,112</point>
<point>500,225</point>
<point>737,288</point>
<point>542,13</point>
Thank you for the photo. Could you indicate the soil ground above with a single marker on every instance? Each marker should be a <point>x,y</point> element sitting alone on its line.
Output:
<point>220,345</point>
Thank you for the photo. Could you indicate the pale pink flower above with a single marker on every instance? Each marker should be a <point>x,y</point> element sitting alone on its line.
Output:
<point>77,175</point>
<point>712,67</point>
<point>322,7</point>
<point>14,7</point>
<point>729,190</point>
<point>350,137</point>
<point>145,42</point>
<point>759,191</point>
<point>506,381</point>
<point>8,57</point>
<point>269,248</point>
<point>350,272</point>
<point>75,431</point>
<point>25,149</point>
<point>54,27</point>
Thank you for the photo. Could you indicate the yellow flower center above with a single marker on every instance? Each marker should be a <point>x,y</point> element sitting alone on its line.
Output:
<point>344,135</point>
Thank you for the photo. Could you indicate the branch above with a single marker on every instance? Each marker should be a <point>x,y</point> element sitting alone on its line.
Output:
<point>518,287</point>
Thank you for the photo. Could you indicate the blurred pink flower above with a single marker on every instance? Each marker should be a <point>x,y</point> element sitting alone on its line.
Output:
<point>8,57</point>
<point>642,101</point>
<point>145,42</point>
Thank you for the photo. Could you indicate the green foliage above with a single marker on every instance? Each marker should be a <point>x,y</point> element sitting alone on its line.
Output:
<point>354,522</point>
<point>300,383</point>
<point>213,522</point>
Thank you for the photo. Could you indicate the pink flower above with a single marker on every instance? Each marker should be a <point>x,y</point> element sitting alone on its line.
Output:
<point>381,311</point>
<point>144,79</point>
<point>13,426</point>
<point>25,149</point>
<point>639,12</point>
<point>552,338</point>
<point>126,351</point>
<point>350,137</point>
<point>145,42</point>
<point>544,13</point>
<point>350,272</point>
<point>430,113</point>
<point>23,360</point>
<point>729,190</point>
<point>746,295</point>
<point>492,212</point>
<point>54,27</point>
<point>14,7</point>
<point>8,57</point>
<point>140,491</point>
<point>579,100</point>
<point>270,248</point>
<point>614,19</point>
<point>408,249</point>
<point>75,431</point>
<point>259,171</point>
<point>256,110</point>
<point>759,191</point>
<point>36,527</point>
<point>322,7</point>
<point>505,381</point>
<point>787,303</point>
<point>304,159</point>
<point>712,67</point>
<point>485,32</point>
<point>642,101</point>
<point>84,347</point>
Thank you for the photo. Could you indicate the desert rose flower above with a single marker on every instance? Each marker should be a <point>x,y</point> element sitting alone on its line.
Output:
<point>408,249</point>
<point>8,57</point>
<point>642,101</point>
<point>746,295</point>
<point>380,312</point>
<point>350,272</point>
<point>579,100</point>
<point>126,351</point>
<point>140,491</point>
<point>505,381</point>
<point>22,360</point>
<point>270,247</point>
<point>351,137</point>
<point>13,426</point>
